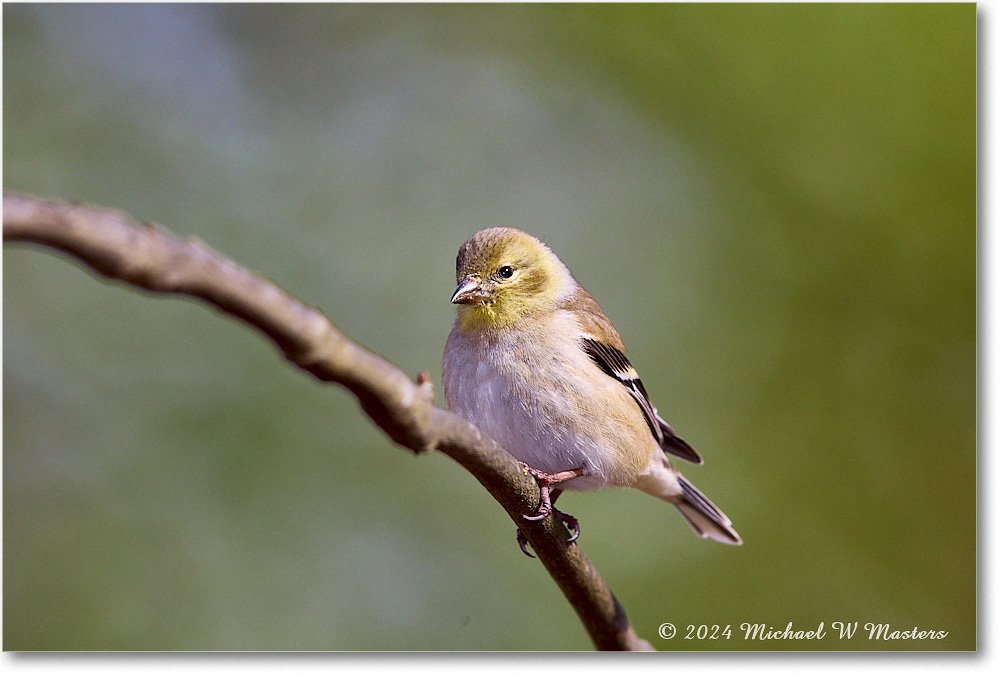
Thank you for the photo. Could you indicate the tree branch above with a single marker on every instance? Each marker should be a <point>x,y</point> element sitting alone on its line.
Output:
<point>148,257</point>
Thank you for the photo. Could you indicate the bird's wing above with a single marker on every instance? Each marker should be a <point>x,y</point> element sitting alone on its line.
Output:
<point>614,362</point>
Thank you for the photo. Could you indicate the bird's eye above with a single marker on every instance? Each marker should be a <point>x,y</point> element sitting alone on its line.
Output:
<point>506,272</point>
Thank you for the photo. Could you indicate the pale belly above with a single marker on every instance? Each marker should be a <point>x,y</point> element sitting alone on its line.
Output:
<point>551,430</point>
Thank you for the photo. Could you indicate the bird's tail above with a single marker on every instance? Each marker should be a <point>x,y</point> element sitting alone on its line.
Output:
<point>703,516</point>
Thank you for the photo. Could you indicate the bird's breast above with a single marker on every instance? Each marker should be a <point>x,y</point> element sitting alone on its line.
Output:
<point>549,405</point>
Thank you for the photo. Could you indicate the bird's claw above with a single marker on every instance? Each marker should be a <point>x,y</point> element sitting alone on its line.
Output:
<point>572,524</point>
<point>522,541</point>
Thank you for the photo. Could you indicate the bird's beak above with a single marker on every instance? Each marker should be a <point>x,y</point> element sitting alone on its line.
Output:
<point>469,292</point>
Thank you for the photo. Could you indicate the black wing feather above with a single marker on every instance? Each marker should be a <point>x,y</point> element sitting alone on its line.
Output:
<point>613,362</point>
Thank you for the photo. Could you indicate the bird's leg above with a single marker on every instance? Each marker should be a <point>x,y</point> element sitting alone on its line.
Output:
<point>545,480</point>
<point>548,501</point>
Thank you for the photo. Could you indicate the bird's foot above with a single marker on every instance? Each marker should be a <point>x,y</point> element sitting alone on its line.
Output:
<point>548,498</point>
<point>545,480</point>
<point>572,524</point>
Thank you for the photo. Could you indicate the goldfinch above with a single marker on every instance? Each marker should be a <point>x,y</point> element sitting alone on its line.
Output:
<point>534,363</point>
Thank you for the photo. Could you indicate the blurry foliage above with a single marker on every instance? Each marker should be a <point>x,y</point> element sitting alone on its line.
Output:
<point>776,204</point>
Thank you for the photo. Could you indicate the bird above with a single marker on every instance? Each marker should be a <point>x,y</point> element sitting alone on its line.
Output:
<point>534,363</point>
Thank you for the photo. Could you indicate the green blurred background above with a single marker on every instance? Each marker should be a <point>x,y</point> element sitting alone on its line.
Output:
<point>775,204</point>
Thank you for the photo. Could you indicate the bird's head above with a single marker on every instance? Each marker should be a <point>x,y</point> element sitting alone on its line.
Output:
<point>505,274</point>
